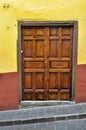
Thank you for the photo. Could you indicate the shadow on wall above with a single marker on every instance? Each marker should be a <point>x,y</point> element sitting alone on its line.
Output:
<point>9,92</point>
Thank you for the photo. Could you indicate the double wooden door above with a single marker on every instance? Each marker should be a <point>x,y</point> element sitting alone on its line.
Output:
<point>47,53</point>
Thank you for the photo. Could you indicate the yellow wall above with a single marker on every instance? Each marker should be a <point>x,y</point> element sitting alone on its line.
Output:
<point>11,11</point>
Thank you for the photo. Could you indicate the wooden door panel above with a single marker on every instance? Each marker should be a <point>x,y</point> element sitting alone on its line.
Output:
<point>40,96</point>
<point>35,65</point>
<point>53,96</point>
<point>27,80</point>
<point>59,64</point>
<point>53,80</point>
<point>27,31</point>
<point>27,95</point>
<point>65,80</point>
<point>33,86</point>
<point>47,62</point>
<point>39,48</point>
<point>40,32</point>
<point>66,48</point>
<point>67,31</point>
<point>27,48</point>
<point>40,80</point>
<point>65,96</point>
<point>53,31</point>
<point>53,48</point>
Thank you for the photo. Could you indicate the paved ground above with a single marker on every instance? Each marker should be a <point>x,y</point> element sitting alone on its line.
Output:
<point>62,117</point>
<point>79,124</point>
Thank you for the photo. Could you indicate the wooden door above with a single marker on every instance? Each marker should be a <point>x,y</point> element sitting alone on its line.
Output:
<point>47,62</point>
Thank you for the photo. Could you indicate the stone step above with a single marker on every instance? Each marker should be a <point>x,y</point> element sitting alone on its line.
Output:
<point>31,104</point>
<point>43,114</point>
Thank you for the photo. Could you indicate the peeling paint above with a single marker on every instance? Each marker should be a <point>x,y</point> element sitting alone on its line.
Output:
<point>30,10</point>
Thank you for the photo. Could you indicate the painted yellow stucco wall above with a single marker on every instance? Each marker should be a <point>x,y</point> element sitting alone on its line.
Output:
<point>12,11</point>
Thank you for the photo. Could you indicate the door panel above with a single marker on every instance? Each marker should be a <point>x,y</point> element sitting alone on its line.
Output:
<point>27,44</point>
<point>39,48</point>
<point>53,31</point>
<point>53,80</point>
<point>28,80</point>
<point>34,64</point>
<point>59,64</point>
<point>47,62</point>
<point>40,80</point>
<point>65,48</point>
<point>65,80</point>
<point>53,48</point>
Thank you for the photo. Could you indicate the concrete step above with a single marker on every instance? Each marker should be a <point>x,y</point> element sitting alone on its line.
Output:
<point>43,114</point>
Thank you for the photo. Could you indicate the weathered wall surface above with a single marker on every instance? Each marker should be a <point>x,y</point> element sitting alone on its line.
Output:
<point>12,11</point>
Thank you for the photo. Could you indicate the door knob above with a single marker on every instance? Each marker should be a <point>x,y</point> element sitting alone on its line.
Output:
<point>45,62</point>
<point>21,51</point>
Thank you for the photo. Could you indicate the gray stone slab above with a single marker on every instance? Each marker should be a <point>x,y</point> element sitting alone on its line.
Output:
<point>72,109</point>
<point>63,110</point>
<point>84,106</point>
<point>42,112</point>
<point>48,128</point>
<point>51,123</point>
<point>19,127</point>
<point>41,125</point>
<point>79,108</point>
<point>26,114</point>
<point>50,111</point>
<point>11,115</point>
<point>79,124</point>
<point>34,113</point>
<point>3,116</point>
<point>18,115</point>
<point>71,125</point>
<point>60,126</point>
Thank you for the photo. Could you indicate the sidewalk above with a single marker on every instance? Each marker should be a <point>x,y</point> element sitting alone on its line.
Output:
<point>79,124</point>
<point>43,114</point>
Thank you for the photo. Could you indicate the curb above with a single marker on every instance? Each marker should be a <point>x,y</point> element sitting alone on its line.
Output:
<point>44,119</point>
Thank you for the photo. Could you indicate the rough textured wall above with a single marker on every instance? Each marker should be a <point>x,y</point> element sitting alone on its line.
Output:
<point>11,11</point>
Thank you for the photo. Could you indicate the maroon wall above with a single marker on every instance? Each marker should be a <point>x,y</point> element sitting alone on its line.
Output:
<point>9,92</point>
<point>81,83</point>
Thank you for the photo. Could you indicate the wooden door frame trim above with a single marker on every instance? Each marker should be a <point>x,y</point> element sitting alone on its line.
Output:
<point>48,23</point>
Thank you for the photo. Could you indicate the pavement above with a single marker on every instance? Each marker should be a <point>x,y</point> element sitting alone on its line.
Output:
<point>62,117</point>
<point>57,125</point>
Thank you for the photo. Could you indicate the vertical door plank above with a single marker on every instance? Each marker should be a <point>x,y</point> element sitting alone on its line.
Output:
<point>46,82</point>
<point>59,43</point>
<point>34,85</point>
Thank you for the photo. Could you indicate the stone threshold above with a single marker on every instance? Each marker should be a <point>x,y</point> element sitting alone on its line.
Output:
<point>31,104</point>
